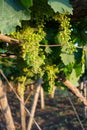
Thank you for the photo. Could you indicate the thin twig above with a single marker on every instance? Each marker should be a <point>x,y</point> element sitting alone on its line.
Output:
<point>75,111</point>
<point>4,55</point>
<point>52,45</point>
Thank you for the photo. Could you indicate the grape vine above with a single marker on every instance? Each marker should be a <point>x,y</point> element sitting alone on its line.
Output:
<point>35,61</point>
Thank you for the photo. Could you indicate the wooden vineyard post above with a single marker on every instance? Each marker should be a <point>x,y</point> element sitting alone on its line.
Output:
<point>85,95</point>
<point>23,118</point>
<point>5,108</point>
<point>34,104</point>
<point>53,92</point>
<point>83,89</point>
<point>75,90</point>
<point>42,98</point>
<point>22,109</point>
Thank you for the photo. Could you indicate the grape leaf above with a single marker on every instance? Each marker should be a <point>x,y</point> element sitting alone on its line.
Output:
<point>85,51</point>
<point>73,78</point>
<point>27,3</point>
<point>11,14</point>
<point>66,57</point>
<point>61,6</point>
<point>80,69</point>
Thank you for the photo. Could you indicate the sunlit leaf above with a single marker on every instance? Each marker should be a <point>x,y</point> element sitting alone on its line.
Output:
<point>73,78</point>
<point>66,57</point>
<point>11,14</point>
<point>61,6</point>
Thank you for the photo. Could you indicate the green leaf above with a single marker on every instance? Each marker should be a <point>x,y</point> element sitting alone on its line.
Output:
<point>11,14</point>
<point>85,52</point>
<point>2,50</point>
<point>61,6</point>
<point>73,78</point>
<point>48,50</point>
<point>27,3</point>
<point>80,69</point>
<point>66,57</point>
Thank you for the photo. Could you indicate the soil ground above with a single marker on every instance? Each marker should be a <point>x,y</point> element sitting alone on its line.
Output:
<point>58,114</point>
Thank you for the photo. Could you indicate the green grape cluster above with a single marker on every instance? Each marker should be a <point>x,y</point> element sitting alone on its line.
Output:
<point>64,33</point>
<point>31,53</point>
<point>49,78</point>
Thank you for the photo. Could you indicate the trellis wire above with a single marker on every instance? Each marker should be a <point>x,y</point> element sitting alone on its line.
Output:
<point>41,45</point>
<point>19,99</point>
<point>59,45</point>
